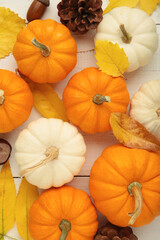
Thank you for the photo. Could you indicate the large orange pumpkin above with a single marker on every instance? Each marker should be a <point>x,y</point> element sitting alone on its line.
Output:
<point>124,179</point>
<point>63,213</point>
<point>91,96</point>
<point>16,101</point>
<point>45,51</point>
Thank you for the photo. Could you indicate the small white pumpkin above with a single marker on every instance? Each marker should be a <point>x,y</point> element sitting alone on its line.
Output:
<point>134,31</point>
<point>145,106</point>
<point>49,152</point>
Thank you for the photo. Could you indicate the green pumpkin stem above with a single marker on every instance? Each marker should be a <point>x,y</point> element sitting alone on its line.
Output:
<point>158,112</point>
<point>45,50</point>
<point>135,190</point>
<point>2,97</point>
<point>99,99</point>
<point>65,227</point>
<point>126,38</point>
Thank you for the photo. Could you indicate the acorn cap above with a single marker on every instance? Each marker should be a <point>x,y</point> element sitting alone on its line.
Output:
<point>45,2</point>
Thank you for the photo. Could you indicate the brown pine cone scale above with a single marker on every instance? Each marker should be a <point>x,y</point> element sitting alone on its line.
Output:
<point>112,232</point>
<point>80,15</point>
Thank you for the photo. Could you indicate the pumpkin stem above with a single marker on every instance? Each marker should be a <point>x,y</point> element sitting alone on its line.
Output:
<point>134,190</point>
<point>65,227</point>
<point>158,112</point>
<point>2,98</point>
<point>51,154</point>
<point>99,99</point>
<point>126,38</point>
<point>45,50</point>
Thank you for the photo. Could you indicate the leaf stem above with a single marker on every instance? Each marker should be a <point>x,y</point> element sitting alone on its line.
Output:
<point>124,77</point>
<point>4,235</point>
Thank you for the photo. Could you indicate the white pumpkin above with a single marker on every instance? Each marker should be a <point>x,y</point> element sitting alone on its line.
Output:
<point>145,106</point>
<point>134,31</point>
<point>49,152</point>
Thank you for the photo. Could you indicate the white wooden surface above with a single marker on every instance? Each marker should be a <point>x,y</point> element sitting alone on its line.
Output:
<point>97,142</point>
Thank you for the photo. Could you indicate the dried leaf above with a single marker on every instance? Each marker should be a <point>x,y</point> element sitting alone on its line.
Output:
<point>46,100</point>
<point>26,196</point>
<point>132,134</point>
<point>7,200</point>
<point>147,5</point>
<point>115,3</point>
<point>111,59</point>
<point>10,25</point>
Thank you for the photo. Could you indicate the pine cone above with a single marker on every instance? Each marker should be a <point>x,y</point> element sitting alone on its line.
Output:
<point>80,15</point>
<point>112,232</point>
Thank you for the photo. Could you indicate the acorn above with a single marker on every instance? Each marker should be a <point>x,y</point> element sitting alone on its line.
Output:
<point>5,151</point>
<point>37,9</point>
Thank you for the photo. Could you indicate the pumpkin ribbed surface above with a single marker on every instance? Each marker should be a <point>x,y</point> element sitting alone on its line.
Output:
<point>63,51</point>
<point>66,203</point>
<point>16,101</point>
<point>78,98</point>
<point>111,175</point>
<point>145,106</point>
<point>49,152</point>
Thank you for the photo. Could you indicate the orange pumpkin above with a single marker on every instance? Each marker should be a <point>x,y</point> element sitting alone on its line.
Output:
<point>16,101</point>
<point>125,185</point>
<point>63,213</point>
<point>45,51</point>
<point>91,96</point>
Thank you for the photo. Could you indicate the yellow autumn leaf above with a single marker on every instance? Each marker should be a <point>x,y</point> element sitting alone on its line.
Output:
<point>148,6</point>
<point>10,25</point>
<point>26,196</point>
<point>119,3</point>
<point>111,59</point>
<point>47,101</point>
<point>7,200</point>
